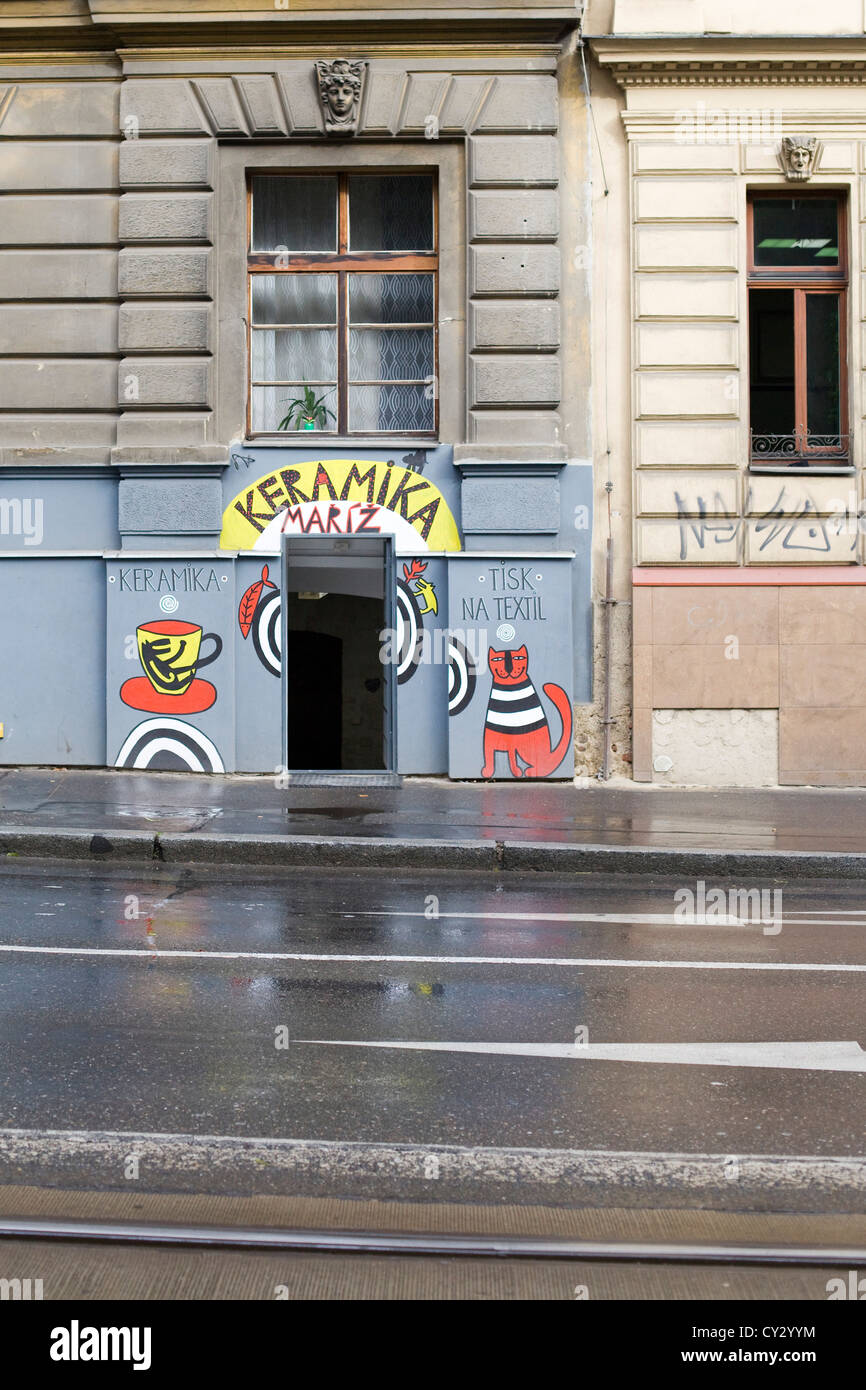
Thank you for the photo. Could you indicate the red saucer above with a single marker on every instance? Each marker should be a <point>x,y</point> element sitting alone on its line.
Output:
<point>138,693</point>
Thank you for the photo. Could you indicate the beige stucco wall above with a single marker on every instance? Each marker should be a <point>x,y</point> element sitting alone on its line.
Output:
<point>766,17</point>
<point>696,499</point>
<point>690,127</point>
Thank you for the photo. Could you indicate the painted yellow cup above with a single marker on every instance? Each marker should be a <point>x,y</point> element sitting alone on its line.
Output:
<point>170,654</point>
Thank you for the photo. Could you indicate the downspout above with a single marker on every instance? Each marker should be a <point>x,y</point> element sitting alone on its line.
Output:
<point>607,603</point>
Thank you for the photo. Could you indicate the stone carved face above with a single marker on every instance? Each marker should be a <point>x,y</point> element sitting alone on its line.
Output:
<point>340,86</point>
<point>799,155</point>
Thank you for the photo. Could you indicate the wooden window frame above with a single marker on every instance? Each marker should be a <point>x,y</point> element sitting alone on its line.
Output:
<point>344,263</point>
<point>803,281</point>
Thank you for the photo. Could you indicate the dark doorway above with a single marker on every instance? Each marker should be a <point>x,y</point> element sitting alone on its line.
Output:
<point>334,682</point>
<point>314,700</point>
<point>338,607</point>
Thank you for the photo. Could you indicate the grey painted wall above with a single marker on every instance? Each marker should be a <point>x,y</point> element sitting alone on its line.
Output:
<point>52,661</point>
<point>44,510</point>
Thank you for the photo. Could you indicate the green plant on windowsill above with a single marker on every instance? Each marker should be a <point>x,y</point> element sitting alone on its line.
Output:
<point>307,412</point>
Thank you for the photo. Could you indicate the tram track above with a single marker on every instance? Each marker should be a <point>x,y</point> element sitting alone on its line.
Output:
<point>435,1244</point>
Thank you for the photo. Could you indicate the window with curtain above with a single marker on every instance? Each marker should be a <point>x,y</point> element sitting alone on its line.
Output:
<point>798,283</point>
<point>343,303</point>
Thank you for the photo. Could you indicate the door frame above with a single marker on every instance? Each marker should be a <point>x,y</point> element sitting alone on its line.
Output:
<point>340,549</point>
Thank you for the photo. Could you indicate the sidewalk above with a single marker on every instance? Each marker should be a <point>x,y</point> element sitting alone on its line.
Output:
<point>427,823</point>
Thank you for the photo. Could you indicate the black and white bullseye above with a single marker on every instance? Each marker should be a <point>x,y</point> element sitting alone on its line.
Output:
<point>169,745</point>
<point>267,637</point>
<point>410,633</point>
<point>461,676</point>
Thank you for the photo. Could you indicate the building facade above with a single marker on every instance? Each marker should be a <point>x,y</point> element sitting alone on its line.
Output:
<point>295,391</point>
<point>729,312</point>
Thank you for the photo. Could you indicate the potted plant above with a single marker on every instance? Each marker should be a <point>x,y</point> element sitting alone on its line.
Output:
<point>306,412</point>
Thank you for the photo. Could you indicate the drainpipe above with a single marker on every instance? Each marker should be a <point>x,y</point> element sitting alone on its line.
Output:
<point>607,603</point>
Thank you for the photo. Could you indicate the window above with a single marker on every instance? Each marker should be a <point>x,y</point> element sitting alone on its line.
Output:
<point>343,303</point>
<point>798,279</point>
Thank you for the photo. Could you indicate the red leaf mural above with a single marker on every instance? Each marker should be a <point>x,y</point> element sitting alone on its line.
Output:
<point>250,602</point>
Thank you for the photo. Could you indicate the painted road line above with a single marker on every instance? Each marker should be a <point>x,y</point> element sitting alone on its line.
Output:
<point>152,953</point>
<point>778,1056</point>
<point>626,919</point>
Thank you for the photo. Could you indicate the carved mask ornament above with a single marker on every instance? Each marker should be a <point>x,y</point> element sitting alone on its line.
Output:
<point>341,84</point>
<point>799,156</point>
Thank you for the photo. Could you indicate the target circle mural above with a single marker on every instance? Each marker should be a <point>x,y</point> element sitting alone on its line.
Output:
<point>169,745</point>
<point>462,676</point>
<point>410,633</point>
<point>267,638</point>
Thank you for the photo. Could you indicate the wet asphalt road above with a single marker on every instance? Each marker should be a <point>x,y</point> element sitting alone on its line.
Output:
<point>186,1044</point>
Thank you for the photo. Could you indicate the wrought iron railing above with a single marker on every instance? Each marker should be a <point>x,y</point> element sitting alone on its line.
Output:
<point>801,447</point>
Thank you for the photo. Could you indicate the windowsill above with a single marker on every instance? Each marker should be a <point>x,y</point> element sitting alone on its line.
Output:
<point>805,469</point>
<point>333,441</point>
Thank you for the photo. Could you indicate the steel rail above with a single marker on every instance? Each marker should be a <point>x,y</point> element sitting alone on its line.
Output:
<point>388,1243</point>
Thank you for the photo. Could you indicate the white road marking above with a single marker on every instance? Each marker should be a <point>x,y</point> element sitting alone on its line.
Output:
<point>566,961</point>
<point>835,912</point>
<point>639,919</point>
<point>795,1056</point>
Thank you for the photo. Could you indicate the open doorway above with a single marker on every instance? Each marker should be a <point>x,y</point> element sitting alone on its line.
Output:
<point>336,690</point>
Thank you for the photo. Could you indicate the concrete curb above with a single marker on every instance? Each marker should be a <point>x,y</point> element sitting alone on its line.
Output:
<point>368,852</point>
<point>434,1172</point>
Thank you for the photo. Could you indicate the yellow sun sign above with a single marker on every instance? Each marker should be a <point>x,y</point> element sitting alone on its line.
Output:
<point>340,497</point>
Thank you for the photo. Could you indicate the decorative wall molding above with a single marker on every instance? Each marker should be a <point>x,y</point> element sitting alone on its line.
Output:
<point>708,62</point>
<point>828,125</point>
<point>285,102</point>
<point>710,74</point>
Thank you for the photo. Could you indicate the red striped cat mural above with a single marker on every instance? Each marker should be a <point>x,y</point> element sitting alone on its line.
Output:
<point>516,723</point>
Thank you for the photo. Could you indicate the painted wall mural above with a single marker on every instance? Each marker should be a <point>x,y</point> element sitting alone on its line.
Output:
<point>169,744</point>
<point>462,676</point>
<point>167,624</point>
<point>170,655</point>
<point>418,644</point>
<point>414,577</point>
<point>412,635</point>
<point>506,622</point>
<point>330,497</point>
<point>516,723</point>
<point>259,613</point>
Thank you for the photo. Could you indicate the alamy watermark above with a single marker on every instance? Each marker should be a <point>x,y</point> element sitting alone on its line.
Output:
<point>854,1288</point>
<point>714,125</point>
<point>20,1290</point>
<point>22,516</point>
<point>434,648</point>
<point>848,515</point>
<point>77,1343</point>
<point>701,906</point>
